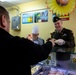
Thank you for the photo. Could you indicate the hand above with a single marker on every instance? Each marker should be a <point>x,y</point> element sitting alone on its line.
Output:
<point>53,42</point>
<point>50,39</point>
<point>53,39</point>
<point>29,37</point>
<point>60,42</point>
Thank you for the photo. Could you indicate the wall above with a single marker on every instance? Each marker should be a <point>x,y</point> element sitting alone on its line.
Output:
<point>46,27</point>
<point>71,24</point>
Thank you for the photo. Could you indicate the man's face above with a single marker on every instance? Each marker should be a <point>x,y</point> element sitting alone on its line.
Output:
<point>34,36</point>
<point>58,25</point>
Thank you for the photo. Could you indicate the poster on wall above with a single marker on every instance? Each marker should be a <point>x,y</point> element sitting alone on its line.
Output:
<point>27,18</point>
<point>63,17</point>
<point>35,16</point>
<point>41,16</point>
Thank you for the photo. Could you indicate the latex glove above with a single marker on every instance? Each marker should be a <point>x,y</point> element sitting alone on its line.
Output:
<point>60,42</point>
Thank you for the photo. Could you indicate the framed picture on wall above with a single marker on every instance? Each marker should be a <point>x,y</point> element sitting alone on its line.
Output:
<point>41,16</point>
<point>27,18</point>
<point>35,16</point>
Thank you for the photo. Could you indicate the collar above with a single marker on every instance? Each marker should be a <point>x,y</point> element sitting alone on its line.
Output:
<point>60,31</point>
<point>3,32</point>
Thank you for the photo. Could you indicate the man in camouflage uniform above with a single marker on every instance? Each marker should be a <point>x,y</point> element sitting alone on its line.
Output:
<point>63,37</point>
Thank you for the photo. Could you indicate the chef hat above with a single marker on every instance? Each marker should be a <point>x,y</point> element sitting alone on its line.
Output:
<point>35,30</point>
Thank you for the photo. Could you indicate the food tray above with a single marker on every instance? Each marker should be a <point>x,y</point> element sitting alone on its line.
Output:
<point>47,70</point>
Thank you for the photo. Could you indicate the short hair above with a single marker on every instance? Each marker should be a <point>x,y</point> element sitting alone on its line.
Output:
<point>3,11</point>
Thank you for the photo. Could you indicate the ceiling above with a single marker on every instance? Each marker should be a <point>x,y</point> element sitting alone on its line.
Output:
<point>9,3</point>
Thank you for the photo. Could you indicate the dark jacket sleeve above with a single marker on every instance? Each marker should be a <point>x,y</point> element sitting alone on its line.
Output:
<point>70,42</point>
<point>34,52</point>
<point>43,41</point>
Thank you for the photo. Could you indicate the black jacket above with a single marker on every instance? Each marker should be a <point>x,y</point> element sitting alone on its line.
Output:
<point>66,35</point>
<point>17,54</point>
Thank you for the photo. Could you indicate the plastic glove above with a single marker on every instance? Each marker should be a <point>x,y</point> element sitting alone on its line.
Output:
<point>60,42</point>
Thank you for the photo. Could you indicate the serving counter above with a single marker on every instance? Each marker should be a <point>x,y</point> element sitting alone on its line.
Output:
<point>61,61</point>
